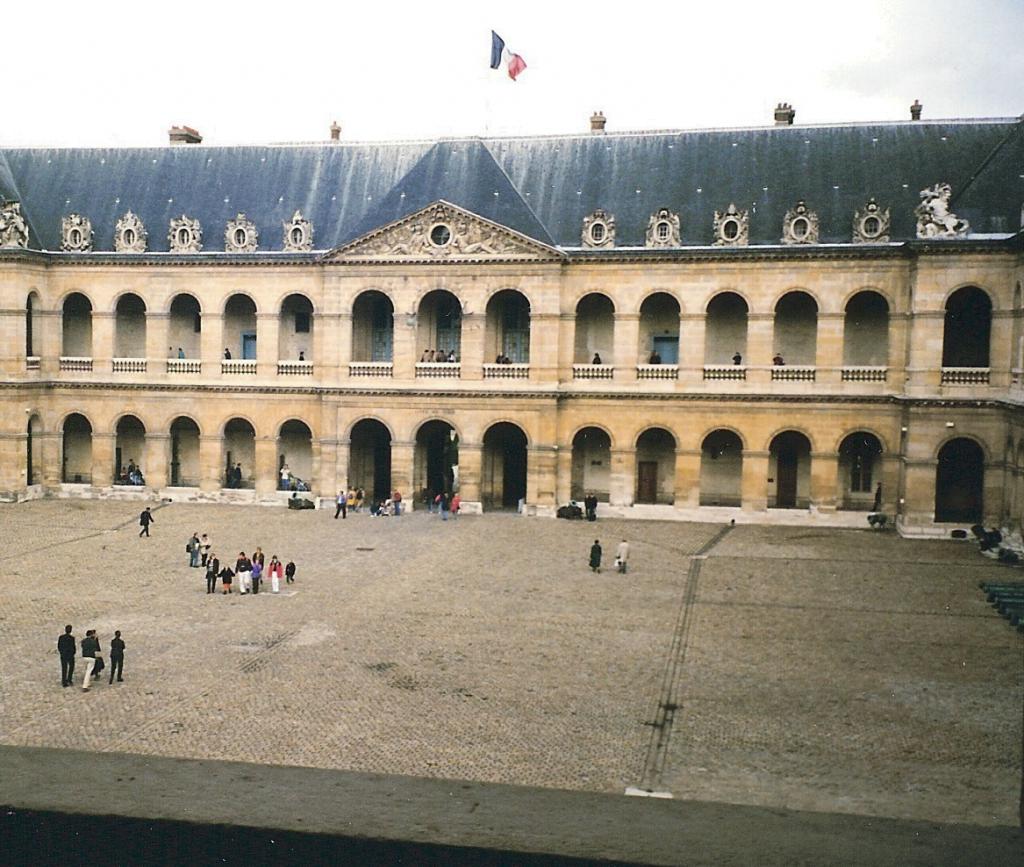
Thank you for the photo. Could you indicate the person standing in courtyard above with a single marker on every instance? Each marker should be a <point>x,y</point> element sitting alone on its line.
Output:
<point>212,570</point>
<point>257,575</point>
<point>145,519</point>
<point>595,556</point>
<point>67,647</point>
<point>396,501</point>
<point>360,496</point>
<point>226,574</point>
<point>341,505</point>
<point>193,547</point>
<point>243,569</point>
<point>275,570</point>
<point>90,647</point>
<point>204,548</point>
<point>621,556</point>
<point>289,573</point>
<point>116,656</point>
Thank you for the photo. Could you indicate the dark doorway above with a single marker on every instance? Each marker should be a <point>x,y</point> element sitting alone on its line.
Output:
<point>647,482</point>
<point>960,482</point>
<point>369,465</point>
<point>967,329</point>
<point>437,458</point>
<point>503,483</point>
<point>786,476</point>
<point>790,453</point>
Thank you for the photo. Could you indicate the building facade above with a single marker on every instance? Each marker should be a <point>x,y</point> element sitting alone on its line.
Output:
<point>776,318</point>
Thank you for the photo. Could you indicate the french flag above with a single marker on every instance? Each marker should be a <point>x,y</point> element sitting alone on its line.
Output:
<point>516,64</point>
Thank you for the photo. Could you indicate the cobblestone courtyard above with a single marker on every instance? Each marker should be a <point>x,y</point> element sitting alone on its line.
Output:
<point>832,670</point>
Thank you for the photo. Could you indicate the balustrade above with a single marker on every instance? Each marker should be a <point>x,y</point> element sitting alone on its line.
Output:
<point>793,374</point>
<point>295,368</point>
<point>593,371</point>
<point>184,365</point>
<point>241,366</point>
<point>734,372</point>
<point>129,365</point>
<point>506,371</point>
<point>966,375</point>
<point>371,368</point>
<point>657,371</point>
<point>864,374</point>
<point>439,369</point>
<point>73,364</point>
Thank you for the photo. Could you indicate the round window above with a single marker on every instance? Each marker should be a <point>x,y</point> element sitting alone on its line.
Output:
<point>662,230</point>
<point>597,233</point>
<point>730,230</point>
<point>440,235</point>
<point>800,227</point>
<point>871,226</point>
<point>128,237</point>
<point>184,236</point>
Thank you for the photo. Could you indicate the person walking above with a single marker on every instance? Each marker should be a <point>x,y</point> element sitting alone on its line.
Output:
<point>396,501</point>
<point>350,500</point>
<point>621,556</point>
<point>225,575</point>
<point>289,573</point>
<point>90,647</point>
<point>360,496</point>
<point>443,505</point>
<point>595,556</point>
<point>212,571</point>
<point>67,647</point>
<point>341,505</point>
<point>116,656</point>
<point>257,574</point>
<point>145,519</point>
<point>193,547</point>
<point>204,548</point>
<point>243,569</point>
<point>275,570</point>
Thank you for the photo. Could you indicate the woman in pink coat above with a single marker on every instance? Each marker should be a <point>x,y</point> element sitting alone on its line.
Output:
<point>276,571</point>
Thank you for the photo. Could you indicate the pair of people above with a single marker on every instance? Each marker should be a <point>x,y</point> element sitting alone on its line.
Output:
<point>198,550</point>
<point>446,504</point>
<point>590,506</point>
<point>621,556</point>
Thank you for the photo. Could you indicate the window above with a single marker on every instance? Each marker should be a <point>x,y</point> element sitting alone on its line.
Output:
<point>128,237</point>
<point>730,229</point>
<point>871,226</point>
<point>663,231</point>
<point>800,227</point>
<point>240,237</point>
<point>440,235</point>
<point>302,322</point>
<point>597,233</point>
<point>184,236</point>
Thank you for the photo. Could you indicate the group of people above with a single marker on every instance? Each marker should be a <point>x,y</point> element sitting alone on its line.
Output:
<point>439,356</point>
<point>92,657</point>
<point>251,572</point>
<point>391,507</point>
<point>502,358</point>
<point>621,556</point>
<point>445,504</point>
<point>131,475</point>
<point>349,500</point>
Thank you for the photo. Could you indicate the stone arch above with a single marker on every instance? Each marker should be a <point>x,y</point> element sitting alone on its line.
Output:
<point>504,465</point>
<point>294,455</point>
<point>129,450</point>
<point>369,463</point>
<point>184,326</point>
<point>370,417</point>
<point>967,328</point>
<point>960,481</point>
<point>373,326</point>
<point>594,328</point>
<point>76,449</point>
<point>721,468</point>
<point>240,312</point>
<point>795,329</point>
<point>591,463</point>
<point>860,469</point>
<point>507,319</point>
<point>296,329</point>
<point>866,330</point>
<point>725,327</point>
<point>439,323</point>
<point>789,470</point>
<point>184,460</point>
<point>238,435</point>
<point>655,466</point>
<point>130,326</point>
<point>76,325</point>
<point>659,328</point>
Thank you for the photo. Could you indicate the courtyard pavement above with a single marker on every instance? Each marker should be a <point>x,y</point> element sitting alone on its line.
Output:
<point>829,670</point>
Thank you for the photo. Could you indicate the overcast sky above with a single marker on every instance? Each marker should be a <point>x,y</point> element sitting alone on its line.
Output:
<point>120,73</point>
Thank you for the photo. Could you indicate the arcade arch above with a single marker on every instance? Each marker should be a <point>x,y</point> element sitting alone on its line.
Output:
<point>503,472</point>
<point>960,482</point>
<point>507,329</point>
<point>591,464</point>
<point>184,457</point>
<point>725,329</point>
<point>595,329</point>
<point>369,463</point>
<point>659,329</point>
<point>76,327</point>
<point>721,469</point>
<point>967,328</point>
<point>866,330</point>
<point>76,450</point>
<point>789,471</point>
<point>373,325</point>
<point>655,467</point>
<point>796,328</point>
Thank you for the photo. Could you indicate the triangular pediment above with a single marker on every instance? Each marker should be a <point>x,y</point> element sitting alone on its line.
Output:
<point>443,232</point>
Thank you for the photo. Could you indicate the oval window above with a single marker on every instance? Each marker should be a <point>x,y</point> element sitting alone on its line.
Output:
<point>440,235</point>
<point>76,237</point>
<point>800,227</point>
<point>184,236</point>
<point>730,230</point>
<point>128,237</point>
<point>662,231</point>
<point>240,237</point>
<point>597,233</point>
<point>871,226</point>
<point>298,236</point>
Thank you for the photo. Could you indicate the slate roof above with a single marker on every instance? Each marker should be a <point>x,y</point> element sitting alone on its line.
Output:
<point>540,186</point>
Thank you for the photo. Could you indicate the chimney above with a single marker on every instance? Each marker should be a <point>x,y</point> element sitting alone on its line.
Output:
<point>335,131</point>
<point>597,121</point>
<point>184,135</point>
<point>784,114</point>
<point>915,110</point>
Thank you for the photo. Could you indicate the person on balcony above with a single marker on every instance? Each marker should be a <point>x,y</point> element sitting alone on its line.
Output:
<point>596,359</point>
<point>737,358</point>
<point>452,358</point>
<point>655,358</point>
<point>227,354</point>
<point>778,360</point>
<point>302,355</point>
<point>181,352</point>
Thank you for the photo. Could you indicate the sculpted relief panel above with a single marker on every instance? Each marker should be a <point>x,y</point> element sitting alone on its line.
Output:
<point>13,228</point>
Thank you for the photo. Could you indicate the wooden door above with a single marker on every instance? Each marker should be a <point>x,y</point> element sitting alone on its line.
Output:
<point>647,482</point>
<point>785,478</point>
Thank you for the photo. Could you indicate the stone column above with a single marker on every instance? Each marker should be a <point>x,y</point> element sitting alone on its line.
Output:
<point>102,341</point>
<point>563,466</point>
<point>48,339</point>
<point>824,480</point>
<point>211,342</point>
<point>267,477</point>
<point>50,471</point>
<point>470,468</point>
<point>896,374</point>
<point>687,478</point>
<point>829,352</point>
<point>924,368</point>
<point>626,340</point>
<point>267,329</point>
<point>759,348</point>
<point>755,481</point>
<point>919,492</point>
<point>335,347</point>
<point>333,471</point>
<point>566,345</point>
<point>541,479</point>
<point>403,350</point>
<point>102,459</point>
<point>155,458</point>
<point>622,484</point>
<point>544,346</point>
<point>402,457</point>
<point>889,476</point>
<point>692,334</point>
<point>157,330</point>
<point>1001,351</point>
<point>472,356</point>
<point>211,458</point>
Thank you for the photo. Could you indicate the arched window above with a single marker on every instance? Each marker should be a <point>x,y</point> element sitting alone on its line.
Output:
<point>967,329</point>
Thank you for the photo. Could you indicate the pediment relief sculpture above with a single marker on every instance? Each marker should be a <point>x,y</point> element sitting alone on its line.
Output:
<point>800,225</point>
<point>934,219</point>
<point>298,234</point>
<point>241,235</point>
<point>871,224</point>
<point>663,229</point>
<point>185,235</point>
<point>130,234</point>
<point>732,227</point>
<point>75,234</point>
<point>13,228</point>
<point>442,232</point>
<point>599,229</point>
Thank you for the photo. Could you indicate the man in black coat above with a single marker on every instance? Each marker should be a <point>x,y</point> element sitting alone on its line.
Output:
<point>67,647</point>
<point>145,519</point>
<point>116,656</point>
